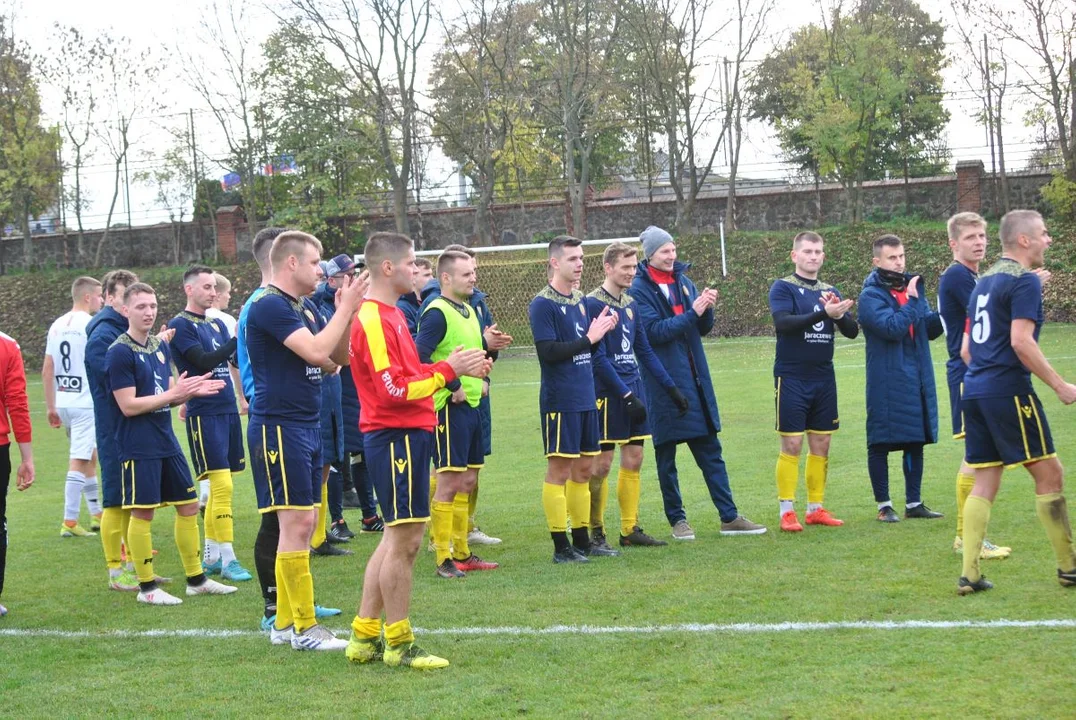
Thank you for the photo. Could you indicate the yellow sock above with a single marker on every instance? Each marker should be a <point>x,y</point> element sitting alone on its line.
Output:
<point>140,548</point>
<point>218,512</point>
<point>461,550</point>
<point>472,503</point>
<point>366,627</point>
<point>320,513</point>
<point>964,484</point>
<point>294,570</point>
<point>399,633</point>
<point>814,476</point>
<point>284,616</point>
<point>555,505</point>
<point>207,519</point>
<point>976,518</point>
<point>627,496</point>
<point>577,498</point>
<point>788,474</point>
<point>599,496</point>
<point>1053,513</point>
<point>112,536</point>
<point>187,541</point>
<point>441,528</point>
<point>126,524</point>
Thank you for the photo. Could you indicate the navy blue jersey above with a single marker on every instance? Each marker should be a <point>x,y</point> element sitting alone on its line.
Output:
<point>567,386</point>
<point>147,369</point>
<point>954,289</point>
<point>194,330</point>
<point>805,353</point>
<point>623,347</point>
<point>1007,291</point>
<point>287,388</point>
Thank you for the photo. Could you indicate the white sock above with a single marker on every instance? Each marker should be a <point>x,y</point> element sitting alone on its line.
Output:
<point>212,552</point>
<point>786,506</point>
<point>886,504</point>
<point>203,491</point>
<point>73,494</point>
<point>909,506</point>
<point>227,554</point>
<point>115,572</point>
<point>811,507</point>
<point>89,491</point>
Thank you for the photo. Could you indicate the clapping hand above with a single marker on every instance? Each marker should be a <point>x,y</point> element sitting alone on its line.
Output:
<point>601,325</point>
<point>495,339</point>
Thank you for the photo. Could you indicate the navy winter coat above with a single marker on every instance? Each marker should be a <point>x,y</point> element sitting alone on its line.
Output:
<point>677,341</point>
<point>902,402</point>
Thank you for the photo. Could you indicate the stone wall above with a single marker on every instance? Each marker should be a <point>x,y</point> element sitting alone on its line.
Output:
<point>145,246</point>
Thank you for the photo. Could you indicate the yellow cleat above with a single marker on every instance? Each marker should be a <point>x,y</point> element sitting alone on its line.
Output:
<point>364,650</point>
<point>413,656</point>
<point>990,551</point>
<point>75,530</point>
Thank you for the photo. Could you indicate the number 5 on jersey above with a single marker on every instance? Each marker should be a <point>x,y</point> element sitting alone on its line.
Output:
<point>980,329</point>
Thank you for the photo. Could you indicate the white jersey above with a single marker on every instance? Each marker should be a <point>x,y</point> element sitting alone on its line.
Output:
<point>228,320</point>
<point>66,346</point>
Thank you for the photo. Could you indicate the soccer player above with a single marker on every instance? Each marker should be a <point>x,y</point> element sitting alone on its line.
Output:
<point>103,330</point>
<point>621,398</point>
<point>287,353</point>
<point>675,317</point>
<point>563,336</point>
<point>967,240</point>
<point>214,432</point>
<point>1004,423</point>
<point>219,311</point>
<point>450,322</point>
<point>70,405</point>
<point>805,311</point>
<point>410,302</point>
<point>154,472</point>
<point>902,404</point>
<point>397,419</point>
<point>268,537</point>
<point>14,416</point>
<point>477,301</point>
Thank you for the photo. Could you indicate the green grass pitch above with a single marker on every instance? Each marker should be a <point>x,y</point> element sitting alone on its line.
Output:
<point>864,571</point>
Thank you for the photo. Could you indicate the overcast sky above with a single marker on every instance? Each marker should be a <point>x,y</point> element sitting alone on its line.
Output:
<point>164,26</point>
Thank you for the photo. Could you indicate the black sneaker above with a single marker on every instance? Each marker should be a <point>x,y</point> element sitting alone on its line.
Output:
<point>372,525</point>
<point>569,555</point>
<point>967,587</point>
<point>888,515</point>
<point>598,551</point>
<point>448,570</point>
<point>327,549</point>
<point>1067,579</point>
<point>597,537</point>
<point>922,512</point>
<point>339,532</point>
<point>638,538</point>
<point>351,500</point>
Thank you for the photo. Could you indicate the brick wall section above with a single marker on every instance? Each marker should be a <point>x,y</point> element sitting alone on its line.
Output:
<point>969,185</point>
<point>229,219</point>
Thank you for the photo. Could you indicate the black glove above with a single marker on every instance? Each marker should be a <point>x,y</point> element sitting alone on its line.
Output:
<point>679,400</point>
<point>635,408</point>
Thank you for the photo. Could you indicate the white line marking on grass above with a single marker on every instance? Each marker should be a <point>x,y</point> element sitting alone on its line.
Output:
<point>516,631</point>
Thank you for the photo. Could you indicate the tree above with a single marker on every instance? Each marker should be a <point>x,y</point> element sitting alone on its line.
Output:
<point>378,71</point>
<point>858,95</point>
<point>316,134</point>
<point>171,177</point>
<point>130,93</point>
<point>29,165</point>
<point>226,86</point>
<point>76,70</point>
<point>478,91</point>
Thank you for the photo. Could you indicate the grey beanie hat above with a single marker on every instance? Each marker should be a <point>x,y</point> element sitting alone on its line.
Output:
<point>653,238</point>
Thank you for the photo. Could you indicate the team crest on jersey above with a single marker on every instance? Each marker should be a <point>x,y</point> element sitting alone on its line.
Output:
<point>160,356</point>
<point>401,465</point>
<point>582,311</point>
<point>630,315</point>
<point>310,315</point>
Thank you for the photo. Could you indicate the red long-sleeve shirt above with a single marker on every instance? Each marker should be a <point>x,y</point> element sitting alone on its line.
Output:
<point>395,388</point>
<point>13,401</point>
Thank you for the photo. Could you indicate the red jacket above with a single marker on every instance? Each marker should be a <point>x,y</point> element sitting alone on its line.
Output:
<point>13,400</point>
<point>395,389</point>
